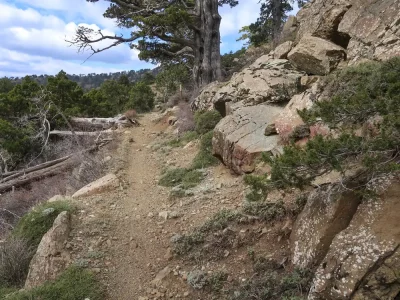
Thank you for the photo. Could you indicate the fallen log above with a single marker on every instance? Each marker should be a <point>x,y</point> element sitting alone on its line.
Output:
<point>37,175</point>
<point>101,123</point>
<point>15,174</point>
<point>78,133</point>
<point>18,173</point>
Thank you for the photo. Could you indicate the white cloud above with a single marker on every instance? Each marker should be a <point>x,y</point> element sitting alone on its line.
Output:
<point>34,43</point>
<point>33,34</point>
<point>90,12</point>
<point>14,63</point>
<point>233,19</point>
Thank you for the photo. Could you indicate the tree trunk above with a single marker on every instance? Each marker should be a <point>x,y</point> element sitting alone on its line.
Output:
<point>207,66</point>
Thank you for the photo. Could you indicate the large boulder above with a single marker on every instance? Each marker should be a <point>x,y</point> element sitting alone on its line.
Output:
<point>204,101</point>
<point>321,18</point>
<point>364,259</point>
<point>266,80</point>
<point>289,30</point>
<point>328,211</point>
<point>316,56</point>
<point>283,50</point>
<point>51,258</point>
<point>374,29</point>
<point>239,138</point>
<point>366,28</point>
<point>289,119</point>
<point>104,184</point>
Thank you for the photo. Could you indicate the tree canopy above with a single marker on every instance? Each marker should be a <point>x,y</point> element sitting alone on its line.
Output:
<point>267,28</point>
<point>185,31</point>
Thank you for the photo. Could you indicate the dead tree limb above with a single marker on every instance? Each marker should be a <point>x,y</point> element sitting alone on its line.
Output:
<point>57,169</point>
<point>78,133</point>
<point>15,174</point>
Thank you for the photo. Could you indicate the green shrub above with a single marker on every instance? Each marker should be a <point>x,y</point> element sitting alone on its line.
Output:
<point>204,158</point>
<point>15,257</point>
<point>173,177</point>
<point>181,141</point>
<point>186,177</point>
<point>33,225</point>
<point>270,284</point>
<point>4,291</point>
<point>74,284</point>
<point>192,179</point>
<point>206,120</point>
<point>141,98</point>
<point>358,95</point>
<point>220,220</point>
<point>266,211</point>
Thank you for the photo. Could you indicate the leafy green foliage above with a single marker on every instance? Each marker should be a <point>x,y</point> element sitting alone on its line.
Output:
<point>141,98</point>
<point>33,225</point>
<point>273,14</point>
<point>206,120</point>
<point>192,179</point>
<point>364,111</point>
<point>204,157</point>
<point>6,85</point>
<point>187,178</point>
<point>170,78</point>
<point>74,284</point>
<point>229,60</point>
<point>25,106</point>
<point>173,177</point>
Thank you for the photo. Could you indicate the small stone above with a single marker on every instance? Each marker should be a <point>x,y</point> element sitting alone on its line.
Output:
<point>169,254</point>
<point>164,214</point>
<point>48,211</point>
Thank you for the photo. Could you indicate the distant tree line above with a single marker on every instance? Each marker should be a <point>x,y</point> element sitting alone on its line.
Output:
<point>93,80</point>
<point>29,110</point>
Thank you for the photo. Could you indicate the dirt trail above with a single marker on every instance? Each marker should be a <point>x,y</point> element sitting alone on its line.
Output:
<point>138,247</point>
<point>121,236</point>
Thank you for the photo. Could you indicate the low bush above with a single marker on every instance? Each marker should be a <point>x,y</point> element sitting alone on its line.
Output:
<point>74,284</point>
<point>219,221</point>
<point>271,284</point>
<point>33,225</point>
<point>362,109</point>
<point>266,211</point>
<point>187,178</point>
<point>192,179</point>
<point>184,139</point>
<point>206,120</point>
<point>173,177</point>
<point>204,157</point>
<point>15,256</point>
<point>186,118</point>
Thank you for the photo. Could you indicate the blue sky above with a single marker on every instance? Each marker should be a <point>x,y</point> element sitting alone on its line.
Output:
<point>33,34</point>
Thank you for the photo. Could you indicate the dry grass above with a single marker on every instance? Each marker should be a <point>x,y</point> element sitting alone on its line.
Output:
<point>178,97</point>
<point>14,205</point>
<point>185,118</point>
<point>15,256</point>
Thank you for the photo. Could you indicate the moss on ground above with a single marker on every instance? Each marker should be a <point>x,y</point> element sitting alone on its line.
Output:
<point>33,225</point>
<point>74,284</point>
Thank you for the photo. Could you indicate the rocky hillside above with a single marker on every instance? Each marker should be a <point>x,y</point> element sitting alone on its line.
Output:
<point>351,242</point>
<point>304,205</point>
